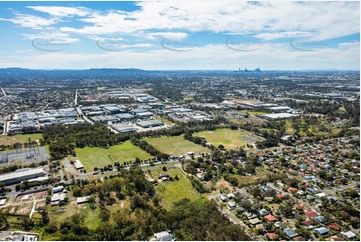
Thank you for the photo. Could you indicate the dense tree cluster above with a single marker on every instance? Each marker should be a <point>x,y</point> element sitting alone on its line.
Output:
<point>188,220</point>
<point>63,139</point>
<point>200,220</point>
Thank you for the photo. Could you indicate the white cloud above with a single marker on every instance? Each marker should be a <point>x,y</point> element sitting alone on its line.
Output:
<point>167,35</point>
<point>53,36</point>
<point>268,20</point>
<point>350,44</point>
<point>60,11</point>
<point>31,21</point>
<point>286,34</point>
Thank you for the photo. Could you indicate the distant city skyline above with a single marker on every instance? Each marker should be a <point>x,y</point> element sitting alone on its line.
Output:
<point>182,35</point>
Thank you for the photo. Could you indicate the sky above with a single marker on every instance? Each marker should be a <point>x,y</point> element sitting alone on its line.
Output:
<point>181,35</point>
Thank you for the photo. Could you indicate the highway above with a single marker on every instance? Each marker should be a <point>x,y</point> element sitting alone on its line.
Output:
<point>76,98</point>
<point>2,89</point>
<point>6,127</point>
<point>78,109</point>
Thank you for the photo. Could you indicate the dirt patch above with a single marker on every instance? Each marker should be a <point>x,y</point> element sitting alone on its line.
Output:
<point>23,210</point>
<point>32,196</point>
<point>249,139</point>
<point>222,184</point>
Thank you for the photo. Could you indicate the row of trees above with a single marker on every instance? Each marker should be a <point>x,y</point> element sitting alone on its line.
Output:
<point>195,139</point>
<point>144,145</point>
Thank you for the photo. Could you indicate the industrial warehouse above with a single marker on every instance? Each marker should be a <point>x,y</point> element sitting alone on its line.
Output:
<point>21,175</point>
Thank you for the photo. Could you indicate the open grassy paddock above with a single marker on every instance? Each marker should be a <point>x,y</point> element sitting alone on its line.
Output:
<point>173,191</point>
<point>92,157</point>
<point>176,145</point>
<point>21,138</point>
<point>229,138</point>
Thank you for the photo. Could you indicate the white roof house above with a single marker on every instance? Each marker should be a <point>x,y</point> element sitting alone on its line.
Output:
<point>78,164</point>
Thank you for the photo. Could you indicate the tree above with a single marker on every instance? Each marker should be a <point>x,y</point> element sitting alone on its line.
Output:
<point>4,224</point>
<point>77,192</point>
<point>104,214</point>
<point>286,210</point>
<point>27,223</point>
<point>45,217</point>
<point>52,227</point>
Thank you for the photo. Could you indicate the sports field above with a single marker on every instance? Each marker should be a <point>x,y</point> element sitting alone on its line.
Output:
<point>21,138</point>
<point>176,145</point>
<point>228,137</point>
<point>92,157</point>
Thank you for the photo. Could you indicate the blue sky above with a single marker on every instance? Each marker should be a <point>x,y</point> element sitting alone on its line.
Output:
<point>181,35</point>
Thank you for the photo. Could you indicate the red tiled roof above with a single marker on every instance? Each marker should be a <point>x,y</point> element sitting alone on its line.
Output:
<point>272,236</point>
<point>308,222</point>
<point>299,206</point>
<point>344,213</point>
<point>336,238</point>
<point>335,226</point>
<point>298,238</point>
<point>292,189</point>
<point>281,195</point>
<point>270,217</point>
<point>311,214</point>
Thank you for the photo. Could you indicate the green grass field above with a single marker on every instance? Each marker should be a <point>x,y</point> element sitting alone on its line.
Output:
<point>173,191</point>
<point>91,217</point>
<point>176,145</point>
<point>227,137</point>
<point>92,157</point>
<point>21,138</point>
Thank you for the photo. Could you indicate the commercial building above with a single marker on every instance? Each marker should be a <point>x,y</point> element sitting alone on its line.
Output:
<point>145,98</point>
<point>21,175</point>
<point>95,113</point>
<point>123,128</point>
<point>182,110</point>
<point>139,110</point>
<point>104,119</point>
<point>150,124</point>
<point>113,110</point>
<point>145,115</point>
<point>275,116</point>
<point>124,116</point>
<point>279,109</point>
<point>39,179</point>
